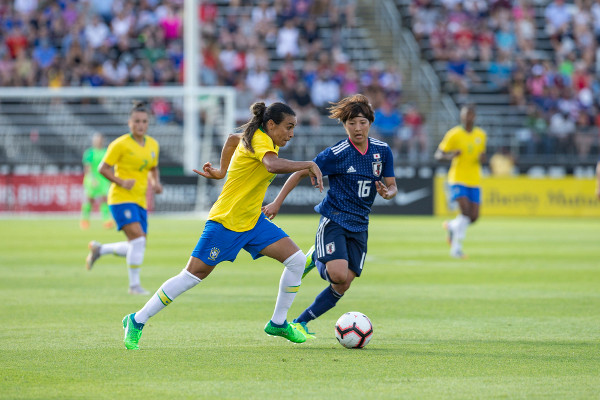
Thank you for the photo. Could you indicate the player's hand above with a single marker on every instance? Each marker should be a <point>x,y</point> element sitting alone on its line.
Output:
<point>271,210</point>
<point>127,183</point>
<point>316,177</point>
<point>209,172</point>
<point>158,188</point>
<point>382,190</point>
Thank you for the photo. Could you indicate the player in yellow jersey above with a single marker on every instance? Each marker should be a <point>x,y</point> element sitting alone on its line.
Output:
<point>236,221</point>
<point>131,164</point>
<point>465,146</point>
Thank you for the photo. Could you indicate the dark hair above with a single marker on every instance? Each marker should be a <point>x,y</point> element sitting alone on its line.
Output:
<point>350,107</point>
<point>261,115</point>
<point>139,106</point>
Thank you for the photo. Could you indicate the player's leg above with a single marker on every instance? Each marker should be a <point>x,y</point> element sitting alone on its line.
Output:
<point>202,262</point>
<point>86,210</point>
<point>123,214</point>
<point>336,253</point>
<point>107,221</point>
<point>269,240</point>
<point>457,227</point>
<point>136,237</point>
<point>190,276</point>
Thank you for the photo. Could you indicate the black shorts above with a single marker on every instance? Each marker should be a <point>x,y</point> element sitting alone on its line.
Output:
<point>333,242</point>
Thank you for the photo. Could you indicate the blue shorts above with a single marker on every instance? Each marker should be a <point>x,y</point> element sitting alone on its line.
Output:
<point>127,213</point>
<point>218,243</point>
<point>333,242</point>
<point>471,193</point>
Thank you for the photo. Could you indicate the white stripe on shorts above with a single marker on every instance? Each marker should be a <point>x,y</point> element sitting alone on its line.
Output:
<point>320,237</point>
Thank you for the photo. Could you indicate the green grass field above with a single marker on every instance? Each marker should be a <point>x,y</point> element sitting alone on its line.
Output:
<point>520,319</point>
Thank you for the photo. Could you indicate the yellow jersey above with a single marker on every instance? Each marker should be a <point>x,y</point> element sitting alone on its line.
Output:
<point>239,204</point>
<point>465,168</point>
<point>131,161</point>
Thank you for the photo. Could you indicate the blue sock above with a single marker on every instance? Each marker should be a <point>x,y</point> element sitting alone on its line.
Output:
<point>324,302</point>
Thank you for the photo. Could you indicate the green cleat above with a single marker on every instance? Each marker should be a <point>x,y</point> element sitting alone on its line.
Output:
<point>310,262</point>
<point>289,332</point>
<point>132,334</point>
<point>301,326</point>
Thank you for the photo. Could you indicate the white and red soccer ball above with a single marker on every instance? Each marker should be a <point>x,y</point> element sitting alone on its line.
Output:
<point>353,330</point>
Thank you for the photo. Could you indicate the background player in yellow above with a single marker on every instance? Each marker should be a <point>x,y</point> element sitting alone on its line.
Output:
<point>95,186</point>
<point>236,221</point>
<point>465,145</point>
<point>130,163</point>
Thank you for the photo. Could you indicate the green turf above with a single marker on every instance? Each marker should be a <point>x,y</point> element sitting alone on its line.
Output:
<point>519,319</point>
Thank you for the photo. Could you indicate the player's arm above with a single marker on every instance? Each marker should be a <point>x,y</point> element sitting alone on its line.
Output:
<point>276,165</point>
<point>226,154</point>
<point>154,178</point>
<point>272,209</point>
<point>442,155</point>
<point>388,188</point>
<point>107,171</point>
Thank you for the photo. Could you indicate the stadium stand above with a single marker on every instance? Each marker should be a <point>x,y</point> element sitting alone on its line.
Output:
<point>506,57</point>
<point>525,63</point>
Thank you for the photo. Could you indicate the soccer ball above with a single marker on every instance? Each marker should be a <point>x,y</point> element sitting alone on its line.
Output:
<point>354,330</point>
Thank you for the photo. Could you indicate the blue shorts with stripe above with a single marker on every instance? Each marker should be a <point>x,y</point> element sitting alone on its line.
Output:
<point>333,242</point>
<point>470,192</point>
<point>218,243</point>
<point>127,213</point>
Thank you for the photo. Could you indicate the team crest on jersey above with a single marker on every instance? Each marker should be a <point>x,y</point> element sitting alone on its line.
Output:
<point>377,156</point>
<point>153,154</point>
<point>377,168</point>
<point>330,248</point>
<point>214,253</point>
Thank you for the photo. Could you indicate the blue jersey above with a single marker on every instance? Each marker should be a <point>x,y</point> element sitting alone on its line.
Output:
<point>352,178</point>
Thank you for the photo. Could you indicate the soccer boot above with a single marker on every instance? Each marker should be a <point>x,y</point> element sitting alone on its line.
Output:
<point>458,253</point>
<point>108,224</point>
<point>302,327</point>
<point>93,255</point>
<point>446,226</point>
<point>310,261</point>
<point>132,334</point>
<point>137,289</point>
<point>289,332</point>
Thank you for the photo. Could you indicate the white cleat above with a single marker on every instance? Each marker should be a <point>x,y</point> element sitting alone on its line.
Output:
<point>93,255</point>
<point>137,289</point>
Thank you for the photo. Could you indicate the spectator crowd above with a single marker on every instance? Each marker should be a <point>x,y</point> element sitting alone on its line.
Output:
<point>268,50</point>
<point>557,86</point>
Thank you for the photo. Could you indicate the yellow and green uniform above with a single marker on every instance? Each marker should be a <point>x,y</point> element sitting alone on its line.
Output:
<point>239,205</point>
<point>94,184</point>
<point>465,168</point>
<point>131,161</point>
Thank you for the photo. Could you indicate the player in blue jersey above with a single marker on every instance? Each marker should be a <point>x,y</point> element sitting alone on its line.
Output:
<point>358,168</point>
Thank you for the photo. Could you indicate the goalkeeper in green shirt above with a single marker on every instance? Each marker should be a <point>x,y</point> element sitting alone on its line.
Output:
<point>94,184</point>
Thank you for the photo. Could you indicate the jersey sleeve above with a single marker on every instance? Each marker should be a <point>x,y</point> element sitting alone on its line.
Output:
<point>326,161</point>
<point>388,166</point>
<point>261,146</point>
<point>448,142</point>
<point>113,153</point>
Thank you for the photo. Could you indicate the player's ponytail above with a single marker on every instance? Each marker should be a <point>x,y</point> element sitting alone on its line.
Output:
<point>261,115</point>
<point>350,107</point>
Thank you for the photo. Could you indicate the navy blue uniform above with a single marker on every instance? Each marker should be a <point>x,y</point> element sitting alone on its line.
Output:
<point>344,224</point>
